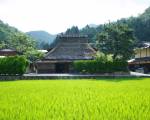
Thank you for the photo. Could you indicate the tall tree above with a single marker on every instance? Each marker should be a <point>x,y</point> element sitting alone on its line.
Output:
<point>22,43</point>
<point>72,31</point>
<point>90,31</point>
<point>118,40</point>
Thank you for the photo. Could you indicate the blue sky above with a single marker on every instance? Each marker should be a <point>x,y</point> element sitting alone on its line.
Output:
<point>56,16</point>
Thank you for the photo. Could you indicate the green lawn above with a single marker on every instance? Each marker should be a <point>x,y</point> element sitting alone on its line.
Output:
<point>107,99</point>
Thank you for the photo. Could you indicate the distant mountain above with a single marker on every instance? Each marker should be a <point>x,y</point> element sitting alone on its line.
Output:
<point>42,38</point>
<point>93,25</point>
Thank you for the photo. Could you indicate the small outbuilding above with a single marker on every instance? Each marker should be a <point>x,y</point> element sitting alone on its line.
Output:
<point>8,52</point>
<point>142,58</point>
<point>68,49</point>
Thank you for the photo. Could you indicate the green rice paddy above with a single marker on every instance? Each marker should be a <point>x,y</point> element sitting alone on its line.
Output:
<point>101,99</point>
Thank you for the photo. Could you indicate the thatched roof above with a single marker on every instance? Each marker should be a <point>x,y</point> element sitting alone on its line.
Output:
<point>71,48</point>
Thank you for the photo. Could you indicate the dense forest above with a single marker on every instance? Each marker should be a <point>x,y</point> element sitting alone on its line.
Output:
<point>10,37</point>
<point>140,26</point>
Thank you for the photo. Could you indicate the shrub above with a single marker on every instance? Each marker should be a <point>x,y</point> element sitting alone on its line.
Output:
<point>97,66</point>
<point>13,65</point>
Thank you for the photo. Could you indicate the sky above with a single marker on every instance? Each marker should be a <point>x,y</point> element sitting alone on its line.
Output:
<point>55,16</point>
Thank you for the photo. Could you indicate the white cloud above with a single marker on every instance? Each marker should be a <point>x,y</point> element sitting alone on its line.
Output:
<point>57,15</point>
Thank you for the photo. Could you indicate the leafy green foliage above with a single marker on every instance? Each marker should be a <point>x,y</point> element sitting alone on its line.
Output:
<point>34,55</point>
<point>22,43</point>
<point>102,64</point>
<point>91,32</point>
<point>10,37</point>
<point>116,39</point>
<point>13,65</point>
<point>101,99</point>
<point>140,25</point>
<point>14,39</point>
<point>93,66</point>
<point>103,57</point>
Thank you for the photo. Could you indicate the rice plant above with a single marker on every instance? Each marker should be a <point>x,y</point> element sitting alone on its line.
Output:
<point>101,99</point>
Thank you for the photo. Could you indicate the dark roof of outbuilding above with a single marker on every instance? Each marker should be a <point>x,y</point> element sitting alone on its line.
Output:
<point>144,45</point>
<point>8,50</point>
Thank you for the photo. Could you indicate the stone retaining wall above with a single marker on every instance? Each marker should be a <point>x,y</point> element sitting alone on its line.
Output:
<point>7,78</point>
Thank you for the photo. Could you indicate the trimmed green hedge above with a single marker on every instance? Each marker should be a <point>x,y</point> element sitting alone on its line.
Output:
<point>96,66</point>
<point>15,65</point>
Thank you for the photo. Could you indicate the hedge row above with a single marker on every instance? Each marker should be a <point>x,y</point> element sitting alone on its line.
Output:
<point>15,65</point>
<point>95,66</point>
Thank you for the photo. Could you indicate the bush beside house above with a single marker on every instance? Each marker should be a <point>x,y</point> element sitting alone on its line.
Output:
<point>14,65</point>
<point>94,66</point>
<point>102,64</point>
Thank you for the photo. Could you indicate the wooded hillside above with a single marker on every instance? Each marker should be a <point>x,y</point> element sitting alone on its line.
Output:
<point>12,38</point>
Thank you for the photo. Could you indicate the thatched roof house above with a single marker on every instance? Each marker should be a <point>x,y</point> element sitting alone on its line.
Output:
<point>68,49</point>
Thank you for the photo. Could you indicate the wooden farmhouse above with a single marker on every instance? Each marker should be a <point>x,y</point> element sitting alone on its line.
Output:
<point>68,49</point>
<point>142,58</point>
